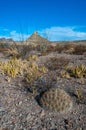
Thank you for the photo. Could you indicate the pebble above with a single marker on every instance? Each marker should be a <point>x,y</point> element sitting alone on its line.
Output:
<point>20,102</point>
<point>2,109</point>
<point>42,114</point>
<point>28,117</point>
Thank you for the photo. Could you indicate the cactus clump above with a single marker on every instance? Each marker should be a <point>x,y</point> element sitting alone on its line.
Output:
<point>34,71</point>
<point>32,58</point>
<point>56,100</point>
<point>78,71</point>
<point>12,67</point>
<point>17,67</point>
<point>65,74</point>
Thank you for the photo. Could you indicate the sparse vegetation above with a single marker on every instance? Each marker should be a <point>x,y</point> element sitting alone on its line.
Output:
<point>15,67</point>
<point>79,50</point>
<point>78,71</point>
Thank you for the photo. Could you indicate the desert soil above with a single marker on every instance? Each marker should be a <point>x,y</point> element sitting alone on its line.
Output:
<point>19,109</point>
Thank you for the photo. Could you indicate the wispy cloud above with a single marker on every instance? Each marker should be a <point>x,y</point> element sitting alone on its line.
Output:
<point>18,36</point>
<point>13,34</point>
<point>63,33</point>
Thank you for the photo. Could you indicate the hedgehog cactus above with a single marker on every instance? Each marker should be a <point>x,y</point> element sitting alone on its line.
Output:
<point>56,100</point>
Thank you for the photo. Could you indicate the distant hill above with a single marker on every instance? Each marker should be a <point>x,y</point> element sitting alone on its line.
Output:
<point>36,38</point>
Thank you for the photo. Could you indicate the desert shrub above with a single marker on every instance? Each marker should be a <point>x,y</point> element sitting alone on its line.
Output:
<point>21,49</point>
<point>56,63</point>
<point>79,50</point>
<point>25,49</point>
<point>50,48</point>
<point>4,45</point>
<point>84,54</point>
<point>42,48</point>
<point>69,48</point>
<point>59,48</point>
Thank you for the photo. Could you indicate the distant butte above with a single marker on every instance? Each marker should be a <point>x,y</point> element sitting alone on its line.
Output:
<point>36,38</point>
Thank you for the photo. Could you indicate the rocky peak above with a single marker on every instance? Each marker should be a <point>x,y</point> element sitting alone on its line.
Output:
<point>36,38</point>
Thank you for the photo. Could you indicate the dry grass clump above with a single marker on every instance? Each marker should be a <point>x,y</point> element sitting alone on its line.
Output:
<point>55,63</point>
<point>78,71</point>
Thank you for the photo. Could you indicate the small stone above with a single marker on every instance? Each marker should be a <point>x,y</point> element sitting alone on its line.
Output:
<point>42,113</point>
<point>2,109</point>
<point>28,117</point>
<point>20,102</point>
<point>13,110</point>
<point>25,100</point>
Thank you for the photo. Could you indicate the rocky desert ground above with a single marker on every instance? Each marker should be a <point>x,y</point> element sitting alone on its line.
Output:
<point>42,85</point>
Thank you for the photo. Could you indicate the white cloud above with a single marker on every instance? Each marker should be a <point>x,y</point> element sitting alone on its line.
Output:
<point>18,36</point>
<point>63,33</point>
<point>6,33</point>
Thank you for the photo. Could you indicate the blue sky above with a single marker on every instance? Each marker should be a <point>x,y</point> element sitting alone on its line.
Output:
<point>54,19</point>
